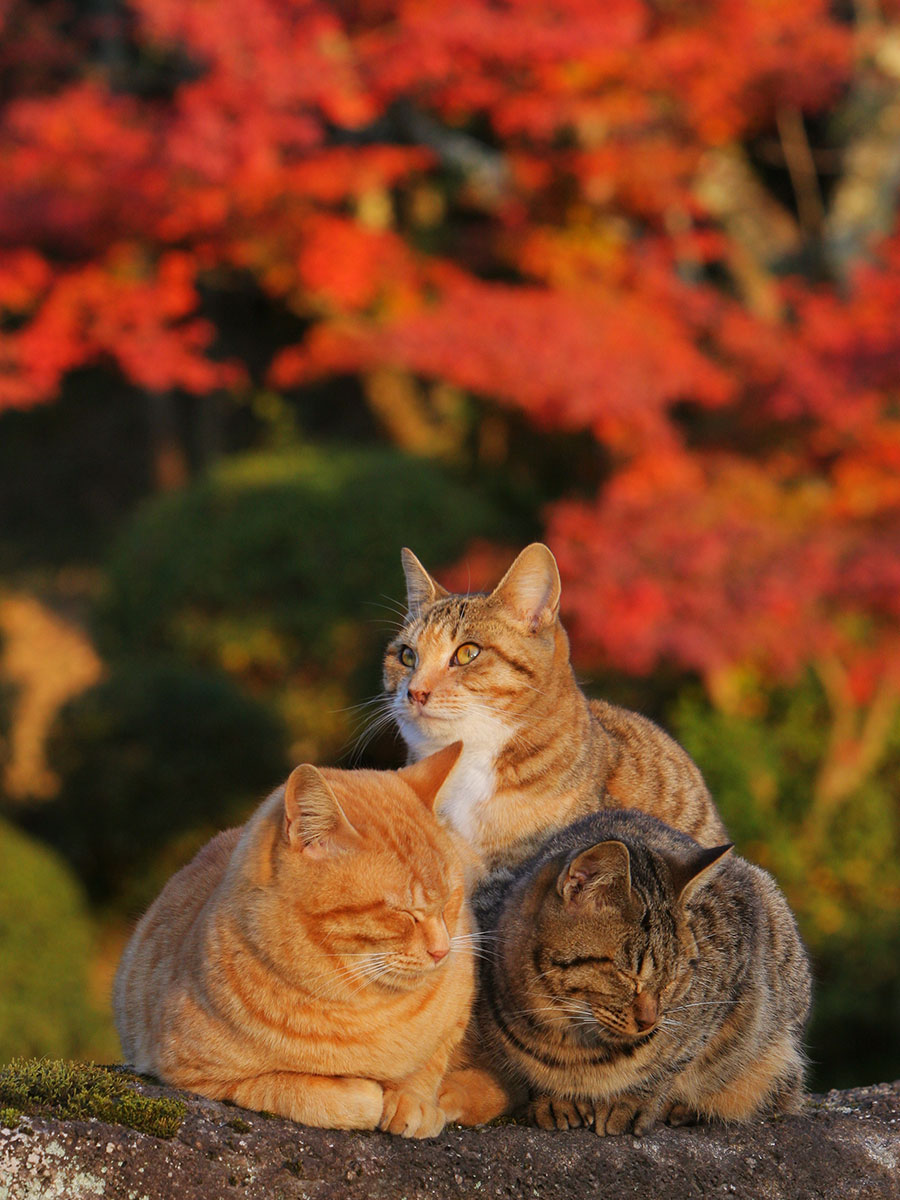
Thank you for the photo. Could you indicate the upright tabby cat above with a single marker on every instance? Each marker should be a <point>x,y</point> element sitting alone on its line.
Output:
<point>634,976</point>
<point>494,670</point>
<point>314,962</point>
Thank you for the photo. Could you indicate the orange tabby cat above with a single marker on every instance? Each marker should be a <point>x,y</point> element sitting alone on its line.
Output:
<point>494,670</point>
<point>314,962</point>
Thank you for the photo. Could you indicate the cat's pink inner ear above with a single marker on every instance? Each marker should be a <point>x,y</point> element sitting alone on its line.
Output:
<point>531,588</point>
<point>693,869</point>
<point>428,776</point>
<point>601,874</point>
<point>421,589</point>
<point>314,821</point>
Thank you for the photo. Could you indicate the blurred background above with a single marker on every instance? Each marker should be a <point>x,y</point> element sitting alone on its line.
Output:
<point>287,285</point>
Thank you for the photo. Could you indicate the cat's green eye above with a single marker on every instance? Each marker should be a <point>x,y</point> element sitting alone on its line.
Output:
<point>464,654</point>
<point>407,656</point>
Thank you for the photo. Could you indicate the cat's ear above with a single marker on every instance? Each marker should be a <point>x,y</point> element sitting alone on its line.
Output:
<point>531,587</point>
<point>421,589</point>
<point>314,822</point>
<point>427,777</point>
<point>690,870</point>
<point>599,875</point>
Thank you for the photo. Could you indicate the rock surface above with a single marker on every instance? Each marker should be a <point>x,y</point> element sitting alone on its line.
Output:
<point>844,1145</point>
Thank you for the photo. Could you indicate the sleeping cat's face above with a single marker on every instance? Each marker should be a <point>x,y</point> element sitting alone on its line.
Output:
<point>366,874</point>
<point>600,943</point>
<point>468,667</point>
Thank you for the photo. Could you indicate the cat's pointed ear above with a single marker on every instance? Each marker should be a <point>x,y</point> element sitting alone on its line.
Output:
<point>421,589</point>
<point>314,821</point>
<point>427,777</point>
<point>690,870</point>
<point>599,875</point>
<point>531,587</point>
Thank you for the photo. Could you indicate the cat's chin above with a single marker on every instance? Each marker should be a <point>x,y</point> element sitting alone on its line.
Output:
<point>428,733</point>
<point>405,981</point>
<point>598,1034</point>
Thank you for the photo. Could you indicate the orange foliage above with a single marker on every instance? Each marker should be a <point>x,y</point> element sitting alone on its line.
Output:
<point>749,508</point>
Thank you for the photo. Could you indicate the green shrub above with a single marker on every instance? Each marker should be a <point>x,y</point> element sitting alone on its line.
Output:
<point>155,753</point>
<point>73,1091</point>
<point>839,864</point>
<point>283,569</point>
<point>45,942</point>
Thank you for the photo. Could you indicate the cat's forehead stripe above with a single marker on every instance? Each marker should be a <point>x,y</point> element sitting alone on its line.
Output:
<point>449,612</point>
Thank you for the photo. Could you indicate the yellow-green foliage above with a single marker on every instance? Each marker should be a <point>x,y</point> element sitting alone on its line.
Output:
<point>45,942</point>
<point>838,863</point>
<point>78,1091</point>
<point>155,751</point>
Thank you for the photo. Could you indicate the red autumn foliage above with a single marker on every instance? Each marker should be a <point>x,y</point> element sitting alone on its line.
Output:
<point>518,198</point>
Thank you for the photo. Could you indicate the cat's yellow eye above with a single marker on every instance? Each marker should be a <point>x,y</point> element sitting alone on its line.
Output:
<point>407,656</point>
<point>464,654</point>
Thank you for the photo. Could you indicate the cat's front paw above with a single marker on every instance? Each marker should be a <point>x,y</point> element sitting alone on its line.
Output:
<point>625,1114</point>
<point>682,1114</point>
<point>471,1096</point>
<point>408,1115</point>
<point>554,1112</point>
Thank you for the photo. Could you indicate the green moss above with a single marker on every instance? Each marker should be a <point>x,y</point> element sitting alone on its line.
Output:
<point>238,1125</point>
<point>10,1117</point>
<point>78,1091</point>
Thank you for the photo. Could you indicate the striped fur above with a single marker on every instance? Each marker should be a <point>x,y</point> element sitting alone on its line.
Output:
<point>537,753</point>
<point>634,976</point>
<point>315,962</point>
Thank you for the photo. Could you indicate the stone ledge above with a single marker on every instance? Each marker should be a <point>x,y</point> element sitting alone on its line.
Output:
<point>843,1146</point>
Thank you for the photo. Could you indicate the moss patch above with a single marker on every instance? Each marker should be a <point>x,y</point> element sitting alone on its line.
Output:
<point>77,1091</point>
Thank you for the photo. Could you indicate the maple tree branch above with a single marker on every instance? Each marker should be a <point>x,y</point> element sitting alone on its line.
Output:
<point>801,168</point>
<point>485,169</point>
<point>761,231</point>
<point>855,744</point>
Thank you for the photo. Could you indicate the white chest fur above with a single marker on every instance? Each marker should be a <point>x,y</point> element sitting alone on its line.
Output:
<point>471,783</point>
<point>467,790</point>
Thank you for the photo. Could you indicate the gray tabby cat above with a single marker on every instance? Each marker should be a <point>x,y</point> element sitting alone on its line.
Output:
<point>634,976</point>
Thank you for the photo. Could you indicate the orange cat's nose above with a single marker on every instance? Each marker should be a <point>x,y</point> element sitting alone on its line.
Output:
<point>437,940</point>
<point>418,697</point>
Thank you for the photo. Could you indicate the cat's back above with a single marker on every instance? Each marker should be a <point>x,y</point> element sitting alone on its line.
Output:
<point>164,935</point>
<point>188,891</point>
<point>742,919</point>
<point>648,770</point>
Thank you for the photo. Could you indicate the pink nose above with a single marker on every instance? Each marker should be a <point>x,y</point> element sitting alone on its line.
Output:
<point>419,697</point>
<point>439,953</point>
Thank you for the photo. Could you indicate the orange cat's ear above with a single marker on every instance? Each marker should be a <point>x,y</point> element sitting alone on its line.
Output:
<point>426,778</point>
<point>421,589</point>
<point>689,871</point>
<point>531,587</point>
<point>314,821</point>
<point>599,875</point>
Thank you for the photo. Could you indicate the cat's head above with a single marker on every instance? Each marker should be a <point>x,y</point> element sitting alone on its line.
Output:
<point>470,666</point>
<point>357,866</point>
<point>601,936</point>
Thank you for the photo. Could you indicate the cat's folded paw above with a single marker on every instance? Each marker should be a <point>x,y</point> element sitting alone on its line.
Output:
<point>408,1115</point>
<point>471,1096</point>
<point>625,1114</point>
<point>554,1112</point>
<point>682,1114</point>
